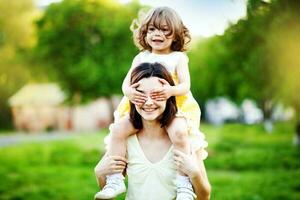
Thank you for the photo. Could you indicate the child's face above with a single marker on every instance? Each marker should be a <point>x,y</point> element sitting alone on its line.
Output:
<point>160,40</point>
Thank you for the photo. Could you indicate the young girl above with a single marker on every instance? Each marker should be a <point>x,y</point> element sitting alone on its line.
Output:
<point>162,37</point>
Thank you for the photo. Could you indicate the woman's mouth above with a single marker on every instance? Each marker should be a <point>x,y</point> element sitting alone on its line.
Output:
<point>149,109</point>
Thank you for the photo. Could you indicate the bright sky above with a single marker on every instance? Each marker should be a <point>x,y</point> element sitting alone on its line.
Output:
<point>202,17</point>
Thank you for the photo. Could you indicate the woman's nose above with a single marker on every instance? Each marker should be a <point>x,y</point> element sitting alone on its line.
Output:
<point>149,101</point>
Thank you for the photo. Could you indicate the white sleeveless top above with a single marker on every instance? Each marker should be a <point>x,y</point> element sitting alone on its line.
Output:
<point>169,61</point>
<point>147,180</point>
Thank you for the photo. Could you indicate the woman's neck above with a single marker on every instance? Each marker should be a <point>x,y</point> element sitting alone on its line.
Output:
<point>152,129</point>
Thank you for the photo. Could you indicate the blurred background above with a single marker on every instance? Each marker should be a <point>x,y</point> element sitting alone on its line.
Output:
<point>62,63</point>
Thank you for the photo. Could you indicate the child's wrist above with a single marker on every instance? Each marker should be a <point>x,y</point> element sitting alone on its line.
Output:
<point>172,91</point>
<point>126,92</point>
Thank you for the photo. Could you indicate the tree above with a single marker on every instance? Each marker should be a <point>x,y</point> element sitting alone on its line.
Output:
<point>89,44</point>
<point>16,37</point>
<point>284,46</point>
<point>256,58</point>
<point>232,64</point>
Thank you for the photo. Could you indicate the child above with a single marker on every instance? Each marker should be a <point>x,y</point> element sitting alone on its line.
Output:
<point>161,37</point>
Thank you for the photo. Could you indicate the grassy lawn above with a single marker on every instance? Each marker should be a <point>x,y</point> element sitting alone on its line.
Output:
<point>244,163</point>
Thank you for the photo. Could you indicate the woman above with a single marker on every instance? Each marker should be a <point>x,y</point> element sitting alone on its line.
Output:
<point>150,165</point>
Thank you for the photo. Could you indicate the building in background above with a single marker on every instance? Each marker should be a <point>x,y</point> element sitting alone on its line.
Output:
<point>39,108</point>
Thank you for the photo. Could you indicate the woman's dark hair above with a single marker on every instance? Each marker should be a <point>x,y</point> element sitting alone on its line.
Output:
<point>147,70</point>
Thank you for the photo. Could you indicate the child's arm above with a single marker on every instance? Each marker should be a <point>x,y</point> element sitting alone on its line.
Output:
<point>183,74</point>
<point>129,90</point>
<point>181,88</point>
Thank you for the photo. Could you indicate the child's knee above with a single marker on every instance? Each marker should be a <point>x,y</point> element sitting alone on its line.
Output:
<point>96,170</point>
<point>178,132</point>
<point>121,129</point>
<point>180,136</point>
<point>117,131</point>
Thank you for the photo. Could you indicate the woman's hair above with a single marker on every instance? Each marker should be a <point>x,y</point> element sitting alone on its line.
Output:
<point>147,70</point>
<point>155,16</point>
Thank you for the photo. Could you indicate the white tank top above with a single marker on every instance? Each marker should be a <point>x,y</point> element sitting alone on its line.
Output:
<point>147,180</point>
<point>169,61</point>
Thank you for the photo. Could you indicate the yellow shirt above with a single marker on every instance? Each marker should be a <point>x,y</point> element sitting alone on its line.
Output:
<point>147,180</point>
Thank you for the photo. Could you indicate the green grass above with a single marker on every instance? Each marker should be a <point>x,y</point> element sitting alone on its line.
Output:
<point>244,163</point>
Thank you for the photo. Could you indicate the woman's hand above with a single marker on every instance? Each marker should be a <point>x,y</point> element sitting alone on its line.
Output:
<point>135,96</point>
<point>110,165</point>
<point>188,164</point>
<point>162,93</point>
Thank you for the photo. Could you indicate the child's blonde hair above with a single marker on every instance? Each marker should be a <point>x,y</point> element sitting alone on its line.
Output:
<point>139,27</point>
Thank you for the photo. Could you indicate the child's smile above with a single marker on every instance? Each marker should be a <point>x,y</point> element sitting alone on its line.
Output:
<point>159,38</point>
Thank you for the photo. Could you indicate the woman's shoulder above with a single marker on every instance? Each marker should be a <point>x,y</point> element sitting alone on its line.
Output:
<point>132,139</point>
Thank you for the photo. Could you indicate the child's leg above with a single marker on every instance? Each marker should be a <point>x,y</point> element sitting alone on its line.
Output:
<point>119,132</point>
<point>178,133</point>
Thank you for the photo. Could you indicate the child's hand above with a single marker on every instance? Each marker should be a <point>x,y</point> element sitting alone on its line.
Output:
<point>163,93</point>
<point>135,96</point>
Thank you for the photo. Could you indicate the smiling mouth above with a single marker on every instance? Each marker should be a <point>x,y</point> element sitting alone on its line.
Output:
<point>157,40</point>
<point>149,109</point>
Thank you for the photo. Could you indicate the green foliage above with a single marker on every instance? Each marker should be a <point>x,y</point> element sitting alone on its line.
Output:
<point>89,43</point>
<point>255,58</point>
<point>16,37</point>
<point>244,163</point>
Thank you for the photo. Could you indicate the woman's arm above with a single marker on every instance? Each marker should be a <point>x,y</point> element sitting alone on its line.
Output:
<point>199,179</point>
<point>193,166</point>
<point>109,165</point>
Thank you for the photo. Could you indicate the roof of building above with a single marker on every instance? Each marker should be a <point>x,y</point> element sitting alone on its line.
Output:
<point>38,94</point>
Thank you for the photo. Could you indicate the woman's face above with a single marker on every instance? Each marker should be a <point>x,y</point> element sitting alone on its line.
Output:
<point>151,110</point>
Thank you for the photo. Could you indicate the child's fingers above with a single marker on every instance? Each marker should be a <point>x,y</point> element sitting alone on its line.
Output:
<point>178,153</point>
<point>139,99</point>
<point>136,103</point>
<point>157,94</point>
<point>135,85</point>
<point>156,91</point>
<point>139,94</point>
<point>163,81</point>
<point>160,99</point>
